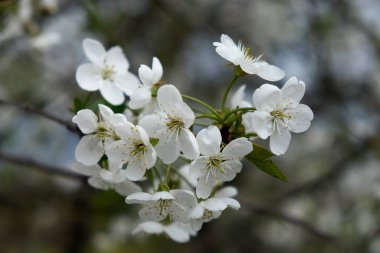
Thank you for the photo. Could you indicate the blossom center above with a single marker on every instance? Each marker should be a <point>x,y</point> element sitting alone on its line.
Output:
<point>214,166</point>
<point>103,132</point>
<point>164,204</point>
<point>139,150</point>
<point>107,72</point>
<point>175,123</point>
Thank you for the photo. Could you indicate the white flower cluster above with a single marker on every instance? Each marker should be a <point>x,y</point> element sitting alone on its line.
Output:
<point>116,153</point>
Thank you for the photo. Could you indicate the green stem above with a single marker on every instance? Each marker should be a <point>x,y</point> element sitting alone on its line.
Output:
<point>203,104</point>
<point>157,174</point>
<point>167,174</point>
<point>243,109</point>
<point>202,116</point>
<point>225,95</point>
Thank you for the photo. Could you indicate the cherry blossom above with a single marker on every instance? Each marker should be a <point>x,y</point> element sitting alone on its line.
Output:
<point>279,112</point>
<point>107,72</point>
<point>99,132</point>
<point>170,124</point>
<point>215,166</point>
<point>239,55</point>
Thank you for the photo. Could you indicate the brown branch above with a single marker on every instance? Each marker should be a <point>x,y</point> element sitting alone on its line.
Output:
<point>38,166</point>
<point>305,225</point>
<point>27,108</point>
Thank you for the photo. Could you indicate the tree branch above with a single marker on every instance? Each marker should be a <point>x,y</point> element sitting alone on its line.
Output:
<point>308,227</point>
<point>38,166</point>
<point>26,108</point>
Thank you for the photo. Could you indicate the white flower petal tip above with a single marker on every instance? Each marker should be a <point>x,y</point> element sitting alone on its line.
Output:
<point>178,232</point>
<point>239,55</point>
<point>278,113</point>
<point>107,72</point>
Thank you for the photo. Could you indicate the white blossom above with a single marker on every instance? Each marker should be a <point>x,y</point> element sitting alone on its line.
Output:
<point>103,179</point>
<point>149,77</point>
<point>212,208</point>
<point>99,132</point>
<point>278,112</point>
<point>170,124</point>
<point>133,148</point>
<point>239,55</point>
<point>215,166</point>
<point>178,232</point>
<point>157,206</point>
<point>107,72</point>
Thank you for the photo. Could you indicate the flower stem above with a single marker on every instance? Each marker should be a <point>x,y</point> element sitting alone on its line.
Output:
<point>203,104</point>
<point>243,109</point>
<point>168,174</point>
<point>202,116</point>
<point>157,174</point>
<point>225,95</point>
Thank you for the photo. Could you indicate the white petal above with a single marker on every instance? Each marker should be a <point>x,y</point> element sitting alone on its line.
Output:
<point>226,40</point>
<point>196,225</point>
<point>162,195</point>
<point>89,150</point>
<point>167,151</point>
<point>279,141</point>
<point>140,97</point>
<point>150,227</point>
<point>238,97</point>
<point>150,157</point>
<point>157,70</point>
<point>112,93</point>
<point>94,51</point>
<point>135,170</point>
<point>152,125</point>
<point>98,183</point>
<point>86,120</point>
<point>233,203</point>
<point>181,111</point>
<point>126,188</point>
<point>152,212</point>
<point>196,212</point>
<point>143,135</point>
<point>113,177</point>
<point>301,118</point>
<point>105,112</point>
<point>127,131</point>
<point>293,91</point>
<point>118,152</point>
<point>117,119</point>
<point>204,188</point>
<point>86,170</point>
<point>226,192</point>
<point>177,234</point>
<point>185,198</point>
<point>198,167</point>
<point>146,76</point>
<point>270,72</point>
<point>237,148</point>
<point>138,198</point>
<point>88,77</point>
<point>167,95</point>
<point>127,82</point>
<point>214,204</point>
<point>116,58</point>
<point>188,144</point>
<point>259,122</point>
<point>209,140</point>
<point>267,97</point>
<point>231,167</point>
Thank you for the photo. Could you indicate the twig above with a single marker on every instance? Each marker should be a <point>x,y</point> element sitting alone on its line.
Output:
<point>38,166</point>
<point>308,227</point>
<point>27,108</point>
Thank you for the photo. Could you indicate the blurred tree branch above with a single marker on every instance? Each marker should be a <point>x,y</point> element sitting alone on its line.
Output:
<point>27,108</point>
<point>269,211</point>
<point>38,166</point>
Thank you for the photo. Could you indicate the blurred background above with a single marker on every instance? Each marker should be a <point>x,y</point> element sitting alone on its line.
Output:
<point>332,200</point>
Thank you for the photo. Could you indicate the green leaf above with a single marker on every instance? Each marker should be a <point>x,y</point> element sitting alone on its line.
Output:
<point>260,153</point>
<point>270,168</point>
<point>260,158</point>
